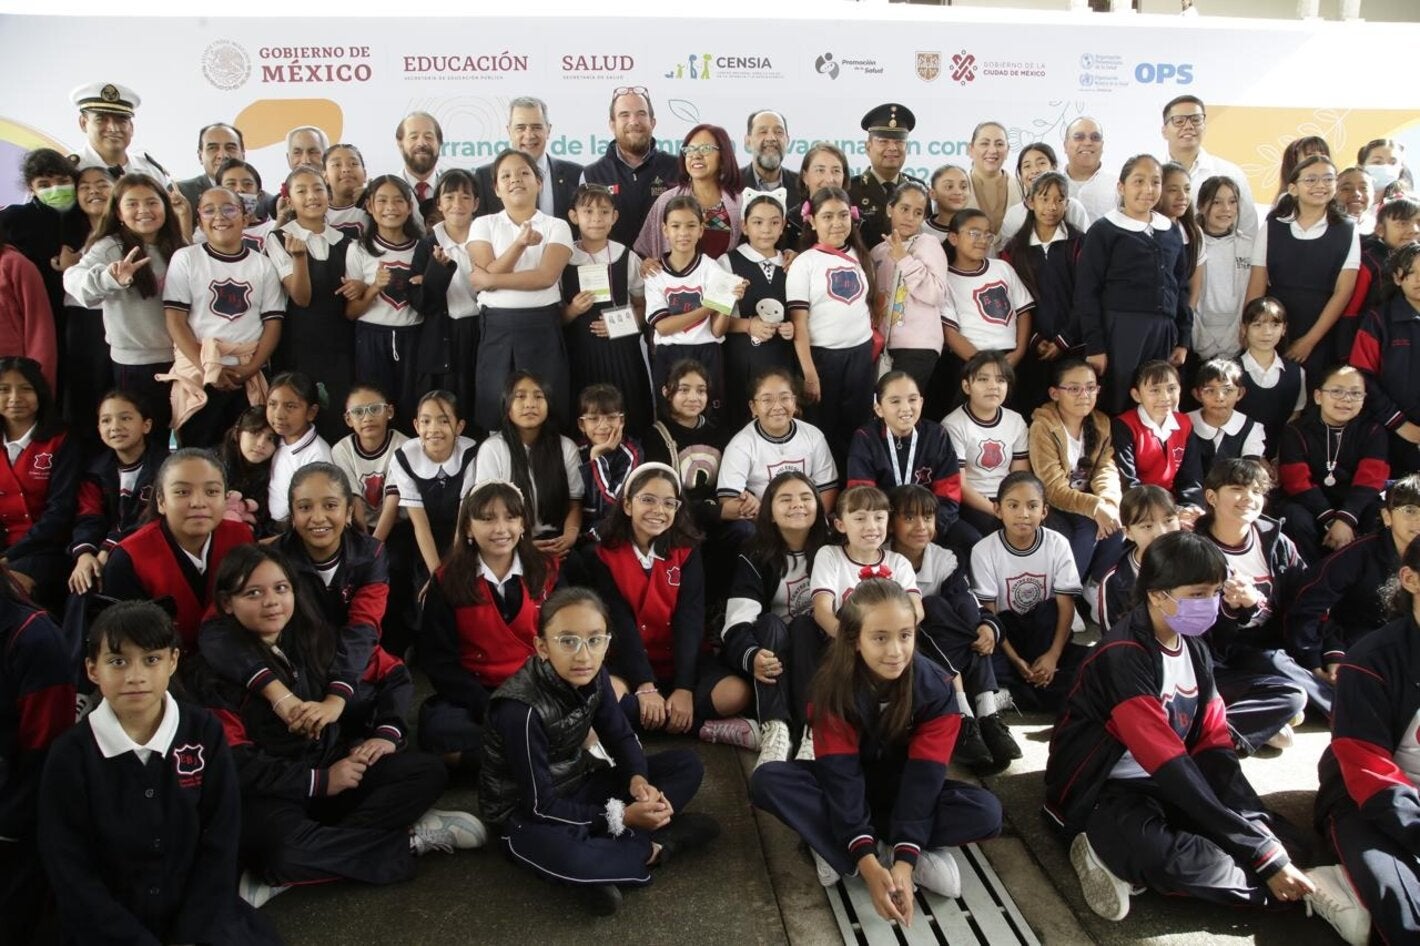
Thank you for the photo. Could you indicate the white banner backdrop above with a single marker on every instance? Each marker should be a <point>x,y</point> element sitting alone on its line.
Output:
<point>1265,83</point>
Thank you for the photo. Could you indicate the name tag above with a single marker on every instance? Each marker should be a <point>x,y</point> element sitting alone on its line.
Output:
<point>620,321</point>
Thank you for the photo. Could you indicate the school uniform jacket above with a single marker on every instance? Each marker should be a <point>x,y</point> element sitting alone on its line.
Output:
<point>36,706</point>
<point>603,478</point>
<point>1116,596</point>
<point>1114,707</point>
<point>143,853</point>
<point>1387,350</point>
<point>1371,762</point>
<point>37,496</point>
<point>753,590</point>
<point>1052,283</point>
<point>1050,459</point>
<point>106,515</point>
<point>1174,464</point>
<point>273,761</point>
<point>871,463</point>
<point>1129,273</point>
<point>1286,574</point>
<point>657,618</point>
<point>1361,467</point>
<point>353,604</point>
<point>856,765</point>
<point>469,650</point>
<point>533,750</point>
<point>149,565</point>
<point>633,189</point>
<point>1341,600</point>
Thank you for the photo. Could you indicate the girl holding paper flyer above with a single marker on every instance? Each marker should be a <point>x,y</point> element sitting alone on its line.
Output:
<point>603,327</point>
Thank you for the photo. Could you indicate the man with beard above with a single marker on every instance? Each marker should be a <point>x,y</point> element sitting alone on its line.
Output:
<point>420,138</point>
<point>1090,184</point>
<point>106,117</point>
<point>767,140</point>
<point>887,126</point>
<point>635,170</point>
<point>529,132</point>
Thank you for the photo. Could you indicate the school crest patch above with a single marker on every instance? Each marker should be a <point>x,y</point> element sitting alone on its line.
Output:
<point>188,764</point>
<point>372,487</point>
<point>682,299</point>
<point>44,461</point>
<point>992,455</point>
<point>845,283</point>
<point>396,294</point>
<point>798,466</point>
<point>230,299</point>
<point>993,302</point>
<point>797,591</point>
<point>673,576</point>
<point>1025,592</point>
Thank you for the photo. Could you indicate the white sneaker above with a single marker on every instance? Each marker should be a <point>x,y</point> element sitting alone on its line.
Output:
<point>936,869</point>
<point>1284,739</point>
<point>255,891</point>
<point>806,747</point>
<point>1105,893</point>
<point>826,874</point>
<point>773,742</point>
<point>1335,900</point>
<point>1005,701</point>
<point>447,831</point>
<point>1077,623</point>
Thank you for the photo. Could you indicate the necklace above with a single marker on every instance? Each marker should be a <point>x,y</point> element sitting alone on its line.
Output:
<point>1331,458</point>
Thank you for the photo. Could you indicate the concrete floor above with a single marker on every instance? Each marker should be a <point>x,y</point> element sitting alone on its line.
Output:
<point>756,885</point>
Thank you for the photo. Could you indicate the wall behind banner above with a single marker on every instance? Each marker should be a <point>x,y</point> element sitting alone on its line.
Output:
<point>1265,82</point>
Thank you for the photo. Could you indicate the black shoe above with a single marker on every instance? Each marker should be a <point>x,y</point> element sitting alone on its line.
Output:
<point>997,737</point>
<point>600,899</point>
<point>970,750</point>
<point>686,832</point>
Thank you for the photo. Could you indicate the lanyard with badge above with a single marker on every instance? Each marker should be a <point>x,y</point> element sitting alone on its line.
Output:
<point>897,474</point>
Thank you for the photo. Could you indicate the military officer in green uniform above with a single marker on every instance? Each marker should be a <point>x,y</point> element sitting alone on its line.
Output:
<point>887,126</point>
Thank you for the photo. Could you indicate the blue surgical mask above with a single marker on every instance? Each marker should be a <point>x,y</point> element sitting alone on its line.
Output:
<point>1194,617</point>
<point>1383,175</point>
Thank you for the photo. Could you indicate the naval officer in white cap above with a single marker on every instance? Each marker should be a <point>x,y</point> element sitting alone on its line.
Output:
<point>106,118</point>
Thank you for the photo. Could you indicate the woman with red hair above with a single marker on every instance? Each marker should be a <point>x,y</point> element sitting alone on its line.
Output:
<point>709,173</point>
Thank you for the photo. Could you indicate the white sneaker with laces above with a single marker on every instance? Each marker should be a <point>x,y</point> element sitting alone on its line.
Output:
<point>447,831</point>
<point>1336,902</point>
<point>1105,893</point>
<point>1284,739</point>
<point>806,748</point>
<point>826,874</point>
<point>773,742</point>
<point>937,870</point>
<point>255,891</point>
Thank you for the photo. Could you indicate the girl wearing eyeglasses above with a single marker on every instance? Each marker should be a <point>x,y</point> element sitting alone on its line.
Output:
<point>1072,453</point>
<point>1307,255</point>
<point>556,807</point>
<point>479,619</point>
<point>709,173</point>
<point>224,308</point>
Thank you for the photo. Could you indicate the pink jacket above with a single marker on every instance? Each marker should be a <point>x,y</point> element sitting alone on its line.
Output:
<point>26,322</point>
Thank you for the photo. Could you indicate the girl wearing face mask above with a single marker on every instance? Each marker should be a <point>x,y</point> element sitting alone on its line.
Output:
<point>1384,161</point>
<point>1142,767</point>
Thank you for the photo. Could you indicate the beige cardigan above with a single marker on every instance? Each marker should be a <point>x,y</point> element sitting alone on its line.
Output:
<point>1050,459</point>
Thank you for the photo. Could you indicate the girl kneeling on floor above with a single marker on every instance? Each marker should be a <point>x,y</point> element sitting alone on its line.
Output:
<point>560,809</point>
<point>884,723</point>
<point>1142,770</point>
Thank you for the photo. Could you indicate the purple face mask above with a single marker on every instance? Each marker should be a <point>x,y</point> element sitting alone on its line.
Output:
<point>1194,617</point>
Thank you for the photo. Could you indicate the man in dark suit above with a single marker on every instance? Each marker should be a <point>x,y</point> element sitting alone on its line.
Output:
<point>216,144</point>
<point>529,131</point>
<point>767,139</point>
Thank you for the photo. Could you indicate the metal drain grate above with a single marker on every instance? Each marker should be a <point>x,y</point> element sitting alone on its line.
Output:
<point>984,914</point>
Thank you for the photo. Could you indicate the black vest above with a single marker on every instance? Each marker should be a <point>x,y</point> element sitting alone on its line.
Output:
<point>566,715</point>
<point>1301,274</point>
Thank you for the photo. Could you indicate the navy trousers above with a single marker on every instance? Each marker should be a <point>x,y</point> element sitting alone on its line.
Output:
<point>946,638</point>
<point>1260,697</point>
<point>1383,872</point>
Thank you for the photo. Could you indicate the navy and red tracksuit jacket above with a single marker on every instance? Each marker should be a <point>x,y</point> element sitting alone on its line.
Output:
<point>1173,464</point>
<point>1115,706</point>
<point>935,466</point>
<point>1260,627</point>
<point>1341,600</point>
<point>353,603</point>
<point>1387,350</point>
<point>1377,705</point>
<point>860,773</point>
<point>37,498</point>
<point>1361,467</point>
<point>106,514</point>
<point>36,706</point>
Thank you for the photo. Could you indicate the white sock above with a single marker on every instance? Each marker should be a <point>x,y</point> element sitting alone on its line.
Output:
<point>986,703</point>
<point>963,703</point>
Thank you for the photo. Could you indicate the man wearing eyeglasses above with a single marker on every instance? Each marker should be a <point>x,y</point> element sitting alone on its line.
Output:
<point>1185,123</point>
<point>1090,183</point>
<point>633,168</point>
<point>529,132</point>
